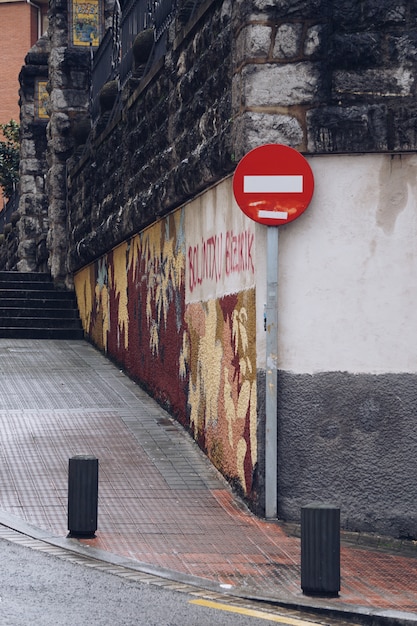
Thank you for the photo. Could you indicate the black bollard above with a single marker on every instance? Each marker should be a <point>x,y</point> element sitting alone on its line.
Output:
<point>82,496</point>
<point>320,550</point>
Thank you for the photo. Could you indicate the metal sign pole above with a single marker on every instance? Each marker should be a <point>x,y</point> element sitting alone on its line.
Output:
<point>271,428</point>
<point>273,185</point>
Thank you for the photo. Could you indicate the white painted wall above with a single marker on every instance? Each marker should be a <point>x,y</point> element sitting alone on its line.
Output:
<point>348,269</point>
<point>347,266</point>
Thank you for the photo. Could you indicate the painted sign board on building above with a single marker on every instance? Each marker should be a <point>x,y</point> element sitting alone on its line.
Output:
<point>273,184</point>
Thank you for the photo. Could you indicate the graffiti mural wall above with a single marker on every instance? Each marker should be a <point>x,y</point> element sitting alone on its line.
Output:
<point>175,306</point>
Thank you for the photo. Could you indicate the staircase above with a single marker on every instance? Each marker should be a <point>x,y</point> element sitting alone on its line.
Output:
<point>32,308</point>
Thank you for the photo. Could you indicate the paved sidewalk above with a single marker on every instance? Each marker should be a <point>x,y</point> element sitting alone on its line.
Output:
<point>161,503</point>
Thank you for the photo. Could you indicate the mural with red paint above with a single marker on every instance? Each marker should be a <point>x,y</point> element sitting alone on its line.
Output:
<point>197,359</point>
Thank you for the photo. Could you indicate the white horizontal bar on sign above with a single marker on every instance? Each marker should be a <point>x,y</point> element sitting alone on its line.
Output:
<point>273,184</point>
<point>273,215</point>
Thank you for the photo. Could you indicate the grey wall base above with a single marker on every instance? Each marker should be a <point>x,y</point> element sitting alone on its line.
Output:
<point>351,440</point>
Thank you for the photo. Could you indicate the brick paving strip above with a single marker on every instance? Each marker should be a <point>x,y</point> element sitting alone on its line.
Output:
<point>161,502</point>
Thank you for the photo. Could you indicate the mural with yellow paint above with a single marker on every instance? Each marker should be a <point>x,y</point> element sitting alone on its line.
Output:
<point>197,358</point>
<point>222,387</point>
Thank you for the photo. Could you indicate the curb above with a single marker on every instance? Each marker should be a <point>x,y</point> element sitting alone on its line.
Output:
<point>368,616</point>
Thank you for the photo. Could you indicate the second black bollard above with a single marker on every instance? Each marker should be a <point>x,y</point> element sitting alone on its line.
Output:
<point>82,496</point>
<point>320,550</point>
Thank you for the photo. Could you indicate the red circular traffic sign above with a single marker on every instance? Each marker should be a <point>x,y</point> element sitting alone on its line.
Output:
<point>273,184</point>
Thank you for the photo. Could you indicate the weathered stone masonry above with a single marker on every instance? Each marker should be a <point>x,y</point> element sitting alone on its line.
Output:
<point>328,77</point>
<point>69,80</point>
<point>171,141</point>
<point>32,254</point>
<point>322,77</point>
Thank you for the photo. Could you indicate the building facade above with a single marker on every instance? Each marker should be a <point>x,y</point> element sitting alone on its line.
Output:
<point>22,23</point>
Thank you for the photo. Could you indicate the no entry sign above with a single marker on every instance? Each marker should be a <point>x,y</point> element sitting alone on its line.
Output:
<point>273,184</point>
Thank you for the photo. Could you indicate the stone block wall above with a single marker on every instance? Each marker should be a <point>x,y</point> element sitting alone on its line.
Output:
<point>327,77</point>
<point>68,100</point>
<point>33,224</point>
<point>171,141</point>
<point>321,77</point>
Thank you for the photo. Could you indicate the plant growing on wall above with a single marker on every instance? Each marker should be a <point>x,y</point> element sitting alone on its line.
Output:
<point>9,157</point>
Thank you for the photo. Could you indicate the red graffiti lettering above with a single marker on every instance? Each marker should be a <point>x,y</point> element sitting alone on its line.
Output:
<point>194,278</point>
<point>220,255</point>
<point>239,252</point>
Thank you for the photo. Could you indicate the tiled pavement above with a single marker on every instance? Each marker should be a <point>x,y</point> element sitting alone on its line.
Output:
<point>160,501</point>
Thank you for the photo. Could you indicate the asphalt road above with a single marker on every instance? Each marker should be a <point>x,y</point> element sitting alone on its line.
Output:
<point>40,589</point>
<point>43,590</point>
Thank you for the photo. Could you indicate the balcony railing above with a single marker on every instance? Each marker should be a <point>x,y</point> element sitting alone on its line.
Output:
<point>136,16</point>
<point>114,57</point>
<point>101,70</point>
<point>163,12</point>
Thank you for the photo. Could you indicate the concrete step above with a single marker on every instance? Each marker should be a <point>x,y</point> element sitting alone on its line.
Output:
<point>29,293</point>
<point>41,333</point>
<point>26,285</point>
<point>38,303</point>
<point>39,322</point>
<point>37,312</point>
<point>32,277</point>
<point>32,308</point>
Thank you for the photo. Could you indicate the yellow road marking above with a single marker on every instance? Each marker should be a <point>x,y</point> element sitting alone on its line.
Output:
<point>252,613</point>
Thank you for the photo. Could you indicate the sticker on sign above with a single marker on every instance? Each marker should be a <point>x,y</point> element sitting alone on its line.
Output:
<point>273,184</point>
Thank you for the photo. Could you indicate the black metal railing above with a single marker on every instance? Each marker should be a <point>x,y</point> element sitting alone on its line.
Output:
<point>136,16</point>
<point>9,208</point>
<point>163,13</point>
<point>187,9</point>
<point>101,71</point>
<point>114,57</point>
